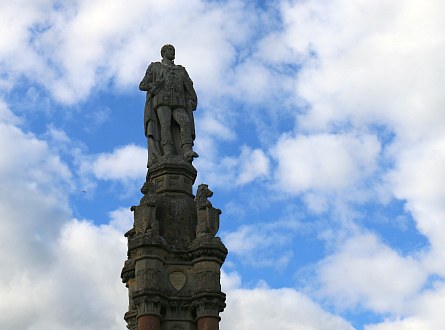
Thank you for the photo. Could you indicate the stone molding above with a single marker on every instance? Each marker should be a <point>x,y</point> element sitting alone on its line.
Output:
<point>148,305</point>
<point>209,305</point>
<point>172,174</point>
<point>131,318</point>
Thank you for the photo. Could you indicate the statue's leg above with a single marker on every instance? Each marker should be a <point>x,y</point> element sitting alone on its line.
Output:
<point>183,120</point>
<point>153,149</point>
<point>165,116</point>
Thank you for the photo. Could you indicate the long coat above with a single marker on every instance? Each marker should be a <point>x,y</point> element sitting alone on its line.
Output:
<point>165,85</point>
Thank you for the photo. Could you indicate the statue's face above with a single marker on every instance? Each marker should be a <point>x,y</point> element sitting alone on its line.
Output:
<point>169,53</point>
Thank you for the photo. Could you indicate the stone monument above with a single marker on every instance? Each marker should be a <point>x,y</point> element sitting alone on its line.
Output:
<point>174,257</point>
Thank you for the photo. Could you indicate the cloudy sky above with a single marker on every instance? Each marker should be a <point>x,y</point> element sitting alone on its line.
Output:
<point>320,128</point>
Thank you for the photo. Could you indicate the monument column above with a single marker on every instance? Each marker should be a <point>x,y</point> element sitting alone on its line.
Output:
<point>208,323</point>
<point>174,256</point>
<point>208,316</point>
<point>149,313</point>
<point>149,322</point>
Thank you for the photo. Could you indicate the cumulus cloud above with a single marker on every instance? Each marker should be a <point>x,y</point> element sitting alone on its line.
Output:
<point>70,48</point>
<point>33,197</point>
<point>83,274</point>
<point>124,163</point>
<point>372,74</point>
<point>60,272</point>
<point>254,164</point>
<point>417,178</point>
<point>285,308</point>
<point>249,165</point>
<point>264,245</point>
<point>366,272</point>
<point>325,162</point>
<point>425,314</point>
<point>81,261</point>
<point>348,73</point>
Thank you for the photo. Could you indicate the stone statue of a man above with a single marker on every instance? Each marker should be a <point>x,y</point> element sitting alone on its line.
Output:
<point>168,116</point>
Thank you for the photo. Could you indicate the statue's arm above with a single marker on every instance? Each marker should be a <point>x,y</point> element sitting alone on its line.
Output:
<point>148,80</point>
<point>188,83</point>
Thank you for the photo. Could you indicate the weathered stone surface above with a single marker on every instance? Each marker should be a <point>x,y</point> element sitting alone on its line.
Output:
<point>186,281</point>
<point>174,257</point>
<point>168,116</point>
<point>177,280</point>
<point>207,215</point>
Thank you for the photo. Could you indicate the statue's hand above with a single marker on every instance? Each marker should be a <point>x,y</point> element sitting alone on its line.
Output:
<point>192,104</point>
<point>157,86</point>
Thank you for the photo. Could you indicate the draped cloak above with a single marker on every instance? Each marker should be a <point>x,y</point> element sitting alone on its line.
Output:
<point>168,85</point>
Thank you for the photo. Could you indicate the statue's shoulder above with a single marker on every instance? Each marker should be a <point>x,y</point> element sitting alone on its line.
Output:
<point>181,68</point>
<point>154,66</point>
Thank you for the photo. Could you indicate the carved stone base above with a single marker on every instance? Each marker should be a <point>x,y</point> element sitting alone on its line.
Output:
<point>172,174</point>
<point>174,259</point>
<point>179,286</point>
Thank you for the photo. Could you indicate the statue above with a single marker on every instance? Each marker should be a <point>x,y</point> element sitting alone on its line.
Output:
<point>168,114</point>
<point>207,215</point>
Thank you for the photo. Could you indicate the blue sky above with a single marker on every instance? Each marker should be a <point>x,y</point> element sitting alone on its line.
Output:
<point>320,129</point>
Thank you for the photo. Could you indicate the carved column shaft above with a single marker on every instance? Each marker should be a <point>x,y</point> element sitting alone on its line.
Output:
<point>208,323</point>
<point>149,322</point>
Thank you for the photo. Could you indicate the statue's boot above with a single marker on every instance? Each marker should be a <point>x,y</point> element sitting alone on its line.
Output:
<point>168,149</point>
<point>189,154</point>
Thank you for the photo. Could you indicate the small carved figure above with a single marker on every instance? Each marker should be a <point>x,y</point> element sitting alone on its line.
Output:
<point>208,216</point>
<point>145,219</point>
<point>168,116</point>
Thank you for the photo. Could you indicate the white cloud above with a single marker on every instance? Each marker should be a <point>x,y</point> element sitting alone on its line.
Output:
<point>59,272</point>
<point>263,308</point>
<point>366,65</point>
<point>81,264</point>
<point>212,124</point>
<point>265,244</point>
<point>33,197</point>
<point>248,166</point>
<point>354,65</point>
<point>418,178</point>
<point>254,164</point>
<point>6,116</point>
<point>325,162</point>
<point>426,314</point>
<point>72,48</point>
<point>79,289</point>
<point>124,163</point>
<point>365,272</point>
<point>375,62</point>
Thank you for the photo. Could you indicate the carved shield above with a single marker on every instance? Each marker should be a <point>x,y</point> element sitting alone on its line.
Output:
<point>177,280</point>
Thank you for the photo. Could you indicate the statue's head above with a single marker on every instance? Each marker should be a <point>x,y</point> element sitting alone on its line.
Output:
<point>168,52</point>
<point>204,191</point>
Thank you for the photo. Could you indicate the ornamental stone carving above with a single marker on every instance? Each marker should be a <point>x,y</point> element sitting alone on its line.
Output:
<point>148,305</point>
<point>207,280</point>
<point>177,280</point>
<point>208,216</point>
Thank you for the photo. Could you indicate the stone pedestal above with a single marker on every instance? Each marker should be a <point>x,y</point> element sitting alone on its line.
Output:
<point>174,257</point>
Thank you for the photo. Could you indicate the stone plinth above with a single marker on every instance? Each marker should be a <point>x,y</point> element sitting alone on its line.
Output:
<point>174,258</point>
